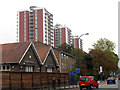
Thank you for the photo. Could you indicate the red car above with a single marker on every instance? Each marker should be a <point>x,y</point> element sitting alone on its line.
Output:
<point>88,82</point>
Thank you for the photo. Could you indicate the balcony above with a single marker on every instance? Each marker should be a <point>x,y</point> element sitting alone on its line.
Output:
<point>31,33</point>
<point>31,13</point>
<point>31,29</point>
<point>31,17</point>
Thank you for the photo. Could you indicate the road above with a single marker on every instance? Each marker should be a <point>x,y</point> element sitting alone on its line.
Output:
<point>103,87</point>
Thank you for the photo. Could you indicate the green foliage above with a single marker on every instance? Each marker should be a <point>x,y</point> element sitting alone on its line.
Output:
<point>101,58</point>
<point>101,54</point>
<point>79,54</point>
<point>104,45</point>
<point>108,47</point>
<point>88,61</point>
<point>66,48</point>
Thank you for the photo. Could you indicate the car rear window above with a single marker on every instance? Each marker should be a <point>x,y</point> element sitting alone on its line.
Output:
<point>110,78</point>
<point>84,79</point>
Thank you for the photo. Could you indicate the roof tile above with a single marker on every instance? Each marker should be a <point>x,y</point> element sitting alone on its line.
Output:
<point>13,52</point>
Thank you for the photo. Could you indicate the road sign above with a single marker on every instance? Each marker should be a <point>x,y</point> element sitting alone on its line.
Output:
<point>77,70</point>
<point>72,73</point>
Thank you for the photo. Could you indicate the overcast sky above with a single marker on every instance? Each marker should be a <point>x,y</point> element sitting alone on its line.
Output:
<point>99,18</point>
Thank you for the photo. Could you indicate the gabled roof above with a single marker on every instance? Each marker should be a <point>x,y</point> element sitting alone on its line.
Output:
<point>43,51</point>
<point>57,52</point>
<point>14,52</point>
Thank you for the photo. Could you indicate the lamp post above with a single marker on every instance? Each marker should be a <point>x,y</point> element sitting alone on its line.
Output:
<point>79,38</point>
<point>81,47</point>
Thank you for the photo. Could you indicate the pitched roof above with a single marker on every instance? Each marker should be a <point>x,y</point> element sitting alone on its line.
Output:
<point>56,53</point>
<point>13,52</point>
<point>42,50</point>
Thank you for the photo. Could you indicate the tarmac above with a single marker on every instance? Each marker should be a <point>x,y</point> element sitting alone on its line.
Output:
<point>70,86</point>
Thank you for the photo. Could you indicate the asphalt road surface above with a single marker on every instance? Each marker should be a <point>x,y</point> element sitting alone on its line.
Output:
<point>103,87</point>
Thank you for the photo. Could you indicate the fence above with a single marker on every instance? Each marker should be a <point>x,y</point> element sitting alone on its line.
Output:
<point>30,80</point>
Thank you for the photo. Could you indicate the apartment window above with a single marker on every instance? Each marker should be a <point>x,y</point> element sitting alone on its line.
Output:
<point>24,38</point>
<point>36,34</point>
<point>36,18</point>
<point>24,31</point>
<point>35,12</point>
<point>36,22</point>
<point>46,24</point>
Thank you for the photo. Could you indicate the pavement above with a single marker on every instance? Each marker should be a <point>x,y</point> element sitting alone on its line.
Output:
<point>102,83</point>
<point>66,87</point>
<point>77,86</point>
<point>73,86</point>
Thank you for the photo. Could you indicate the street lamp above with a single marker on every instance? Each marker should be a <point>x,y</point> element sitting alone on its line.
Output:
<point>81,47</point>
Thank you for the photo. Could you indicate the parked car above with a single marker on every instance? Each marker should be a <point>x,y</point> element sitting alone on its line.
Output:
<point>111,80</point>
<point>118,76</point>
<point>88,82</point>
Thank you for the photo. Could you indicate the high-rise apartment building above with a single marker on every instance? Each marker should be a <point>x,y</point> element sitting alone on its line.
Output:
<point>35,25</point>
<point>75,42</point>
<point>62,34</point>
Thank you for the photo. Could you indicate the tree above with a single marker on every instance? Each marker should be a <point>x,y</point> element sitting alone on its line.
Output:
<point>66,48</point>
<point>101,58</point>
<point>79,54</point>
<point>108,47</point>
<point>88,61</point>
